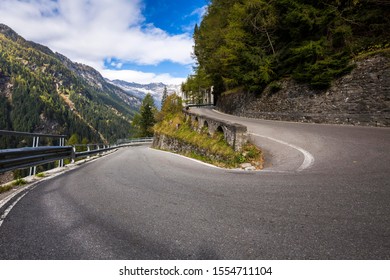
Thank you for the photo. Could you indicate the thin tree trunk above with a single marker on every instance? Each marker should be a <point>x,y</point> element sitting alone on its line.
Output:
<point>270,42</point>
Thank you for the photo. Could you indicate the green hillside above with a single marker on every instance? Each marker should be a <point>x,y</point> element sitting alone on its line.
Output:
<point>41,91</point>
<point>249,44</point>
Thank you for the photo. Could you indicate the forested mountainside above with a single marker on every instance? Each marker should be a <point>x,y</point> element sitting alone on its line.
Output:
<point>250,44</point>
<point>42,91</point>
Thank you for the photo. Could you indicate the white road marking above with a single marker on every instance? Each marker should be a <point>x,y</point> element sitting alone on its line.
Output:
<point>2,217</point>
<point>8,198</point>
<point>239,170</point>
<point>192,159</point>
<point>308,157</point>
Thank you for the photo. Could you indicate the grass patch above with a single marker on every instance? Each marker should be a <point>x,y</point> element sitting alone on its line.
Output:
<point>41,175</point>
<point>9,186</point>
<point>253,155</point>
<point>19,182</point>
<point>371,52</point>
<point>5,188</point>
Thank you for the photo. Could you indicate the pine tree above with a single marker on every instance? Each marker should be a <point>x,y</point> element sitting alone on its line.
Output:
<point>164,97</point>
<point>145,119</point>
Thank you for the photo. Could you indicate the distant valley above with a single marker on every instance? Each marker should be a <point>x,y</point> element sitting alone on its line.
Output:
<point>45,92</point>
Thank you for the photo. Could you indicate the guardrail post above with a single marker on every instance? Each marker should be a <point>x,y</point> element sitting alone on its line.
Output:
<point>73,154</point>
<point>62,143</point>
<point>33,170</point>
<point>88,150</point>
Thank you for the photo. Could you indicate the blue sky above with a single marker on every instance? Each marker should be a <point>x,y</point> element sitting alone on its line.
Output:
<point>173,16</point>
<point>134,40</point>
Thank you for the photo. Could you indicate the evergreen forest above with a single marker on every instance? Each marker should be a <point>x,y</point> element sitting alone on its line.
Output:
<point>251,44</point>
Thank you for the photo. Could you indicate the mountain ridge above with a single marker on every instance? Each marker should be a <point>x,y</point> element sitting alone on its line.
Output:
<point>140,90</point>
<point>43,91</point>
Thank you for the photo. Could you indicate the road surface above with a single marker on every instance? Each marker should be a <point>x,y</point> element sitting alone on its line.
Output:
<point>140,203</point>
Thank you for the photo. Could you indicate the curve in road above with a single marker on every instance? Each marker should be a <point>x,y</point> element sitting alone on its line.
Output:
<point>308,157</point>
<point>335,148</point>
<point>140,203</point>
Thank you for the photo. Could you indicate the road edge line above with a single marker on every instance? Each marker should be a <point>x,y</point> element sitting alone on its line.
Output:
<point>308,160</point>
<point>195,160</point>
<point>13,198</point>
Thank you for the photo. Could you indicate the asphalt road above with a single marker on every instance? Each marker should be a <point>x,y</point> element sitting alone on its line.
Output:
<point>139,203</point>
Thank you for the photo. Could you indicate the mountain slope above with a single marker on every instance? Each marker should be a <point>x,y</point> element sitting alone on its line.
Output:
<point>140,90</point>
<point>43,91</point>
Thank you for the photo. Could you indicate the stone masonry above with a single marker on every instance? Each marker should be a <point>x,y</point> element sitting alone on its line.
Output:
<point>235,134</point>
<point>359,98</point>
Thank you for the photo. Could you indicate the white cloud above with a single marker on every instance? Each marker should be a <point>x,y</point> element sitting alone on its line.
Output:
<point>90,31</point>
<point>141,77</point>
<point>200,12</point>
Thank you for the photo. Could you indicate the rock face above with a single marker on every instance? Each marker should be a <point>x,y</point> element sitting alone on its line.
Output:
<point>360,98</point>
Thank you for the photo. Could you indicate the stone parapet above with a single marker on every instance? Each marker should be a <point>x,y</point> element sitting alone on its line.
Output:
<point>234,134</point>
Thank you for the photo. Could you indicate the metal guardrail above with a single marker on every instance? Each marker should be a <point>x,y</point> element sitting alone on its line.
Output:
<point>36,137</point>
<point>12,159</point>
<point>77,155</point>
<point>135,140</point>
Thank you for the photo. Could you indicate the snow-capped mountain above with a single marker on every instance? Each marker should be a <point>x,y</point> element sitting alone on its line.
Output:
<point>139,90</point>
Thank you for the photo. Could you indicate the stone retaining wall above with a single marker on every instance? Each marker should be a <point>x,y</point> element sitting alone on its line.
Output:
<point>360,98</point>
<point>167,143</point>
<point>235,134</point>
